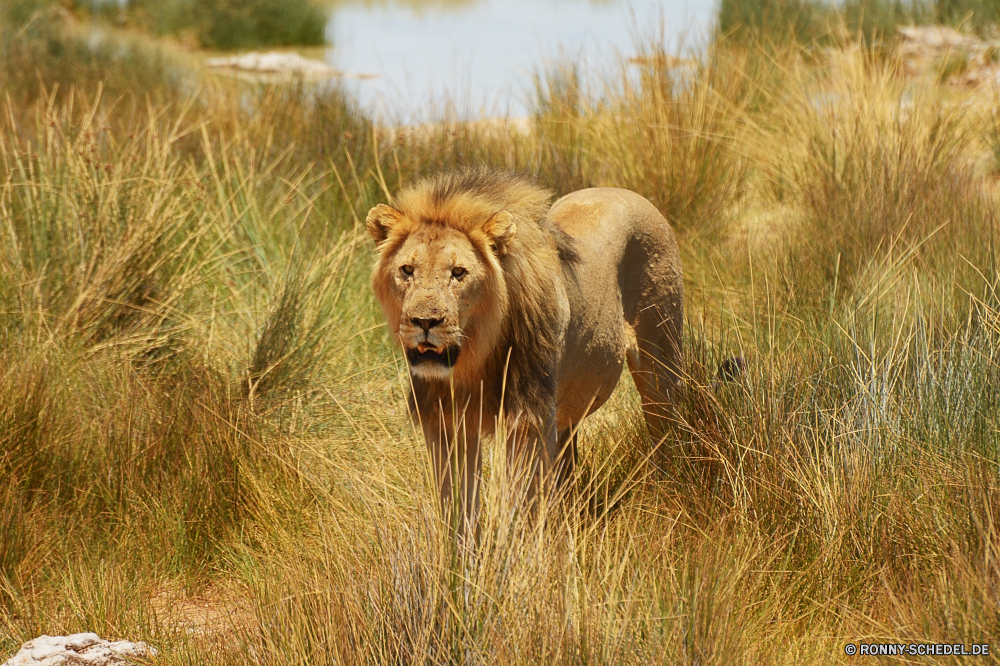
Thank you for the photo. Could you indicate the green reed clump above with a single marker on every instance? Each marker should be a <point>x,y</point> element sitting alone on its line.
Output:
<point>678,125</point>
<point>981,15</point>
<point>19,12</point>
<point>134,284</point>
<point>295,347</point>
<point>316,126</point>
<point>227,24</point>
<point>831,434</point>
<point>101,232</point>
<point>130,475</point>
<point>667,127</point>
<point>109,251</point>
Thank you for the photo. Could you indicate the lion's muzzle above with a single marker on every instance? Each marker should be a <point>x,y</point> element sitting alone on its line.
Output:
<point>429,331</point>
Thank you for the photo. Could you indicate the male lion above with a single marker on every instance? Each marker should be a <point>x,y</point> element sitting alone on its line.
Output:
<point>505,306</point>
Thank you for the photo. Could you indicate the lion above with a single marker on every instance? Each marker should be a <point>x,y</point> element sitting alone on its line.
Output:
<point>509,310</point>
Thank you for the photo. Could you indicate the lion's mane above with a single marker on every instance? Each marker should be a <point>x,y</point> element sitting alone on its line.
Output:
<point>520,299</point>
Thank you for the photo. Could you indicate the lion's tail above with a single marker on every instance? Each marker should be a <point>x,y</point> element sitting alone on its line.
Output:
<point>729,370</point>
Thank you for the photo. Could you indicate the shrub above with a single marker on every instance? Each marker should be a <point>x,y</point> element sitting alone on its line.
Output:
<point>238,24</point>
<point>235,24</point>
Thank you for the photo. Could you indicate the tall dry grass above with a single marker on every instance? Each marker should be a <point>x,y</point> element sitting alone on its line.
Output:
<point>678,125</point>
<point>203,437</point>
<point>884,178</point>
<point>773,22</point>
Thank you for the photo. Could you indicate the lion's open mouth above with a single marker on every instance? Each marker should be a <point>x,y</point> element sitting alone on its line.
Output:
<point>427,353</point>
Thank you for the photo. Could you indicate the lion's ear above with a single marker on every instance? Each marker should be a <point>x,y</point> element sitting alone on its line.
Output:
<point>380,220</point>
<point>501,230</point>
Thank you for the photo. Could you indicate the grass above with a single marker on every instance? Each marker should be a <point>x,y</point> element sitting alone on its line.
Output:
<point>884,178</point>
<point>70,61</point>
<point>203,437</point>
<point>811,21</point>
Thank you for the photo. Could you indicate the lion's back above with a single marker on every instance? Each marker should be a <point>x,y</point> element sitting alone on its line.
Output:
<point>627,264</point>
<point>624,246</point>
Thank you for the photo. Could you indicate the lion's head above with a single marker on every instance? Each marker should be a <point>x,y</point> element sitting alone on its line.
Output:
<point>447,250</point>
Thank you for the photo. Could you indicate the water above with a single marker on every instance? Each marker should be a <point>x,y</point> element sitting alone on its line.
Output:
<point>481,54</point>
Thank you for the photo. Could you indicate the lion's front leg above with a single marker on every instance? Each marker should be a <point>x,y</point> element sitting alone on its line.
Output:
<point>532,452</point>
<point>453,440</point>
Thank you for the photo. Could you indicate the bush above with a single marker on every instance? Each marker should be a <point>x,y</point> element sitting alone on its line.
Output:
<point>235,24</point>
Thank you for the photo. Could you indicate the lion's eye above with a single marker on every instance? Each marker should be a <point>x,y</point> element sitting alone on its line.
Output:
<point>458,272</point>
<point>406,270</point>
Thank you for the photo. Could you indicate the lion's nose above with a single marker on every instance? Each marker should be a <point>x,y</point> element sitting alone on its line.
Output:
<point>426,324</point>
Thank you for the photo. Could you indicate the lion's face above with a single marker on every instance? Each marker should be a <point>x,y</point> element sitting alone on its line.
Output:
<point>438,280</point>
<point>442,289</point>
